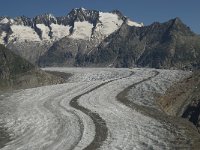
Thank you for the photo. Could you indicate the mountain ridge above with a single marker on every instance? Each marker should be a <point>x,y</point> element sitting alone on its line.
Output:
<point>17,73</point>
<point>32,37</point>
<point>169,45</point>
<point>107,39</point>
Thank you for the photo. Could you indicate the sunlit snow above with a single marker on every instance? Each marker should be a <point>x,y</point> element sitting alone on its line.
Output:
<point>59,31</point>
<point>22,33</point>
<point>45,31</point>
<point>108,23</point>
<point>82,30</point>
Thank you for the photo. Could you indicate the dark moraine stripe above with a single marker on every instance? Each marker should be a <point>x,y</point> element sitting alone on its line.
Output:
<point>101,130</point>
<point>122,96</point>
<point>4,137</point>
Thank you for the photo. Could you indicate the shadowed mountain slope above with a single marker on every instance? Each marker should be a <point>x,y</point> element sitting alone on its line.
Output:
<point>16,72</point>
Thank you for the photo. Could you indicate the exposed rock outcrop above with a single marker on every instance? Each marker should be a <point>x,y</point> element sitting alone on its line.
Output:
<point>170,45</point>
<point>161,45</point>
<point>32,37</point>
<point>17,73</point>
<point>183,99</point>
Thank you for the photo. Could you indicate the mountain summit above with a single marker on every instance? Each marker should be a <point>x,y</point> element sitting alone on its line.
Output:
<point>93,38</point>
<point>170,45</point>
<point>31,37</point>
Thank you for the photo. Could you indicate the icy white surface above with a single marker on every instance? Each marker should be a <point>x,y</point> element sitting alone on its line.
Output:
<point>91,74</point>
<point>108,23</point>
<point>157,85</point>
<point>42,118</point>
<point>59,31</point>
<point>45,31</point>
<point>4,21</point>
<point>129,129</point>
<point>82,30</point>
<point>22,33</point>
<point>2,36</point>
<point>132,23</point>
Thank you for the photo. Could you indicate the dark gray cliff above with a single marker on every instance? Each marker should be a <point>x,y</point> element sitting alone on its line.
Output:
<point>170,45</point>
<point>160,45</point>
<point>17,73</point>
<point>32,37</point>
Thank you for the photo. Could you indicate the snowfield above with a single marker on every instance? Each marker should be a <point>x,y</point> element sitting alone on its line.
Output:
<point>82,30</point>
<point>59,31</point>
<point>21,33</point>
<point>98,108</point>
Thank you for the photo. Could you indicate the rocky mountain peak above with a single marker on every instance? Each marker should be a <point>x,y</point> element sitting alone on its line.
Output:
<point>176,25</point>
<point>46,19</point>
<point>81,9</point>
<point>23,20</point>
<point>119,13</point>
<point>4,20</point>
<point>177,20</point>
<point>32,37</point>
<point>82,14</point>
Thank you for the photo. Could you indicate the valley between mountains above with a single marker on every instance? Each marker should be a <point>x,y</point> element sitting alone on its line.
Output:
<point>98,108</point>
<point>91,38</point>
<point>98,80</point>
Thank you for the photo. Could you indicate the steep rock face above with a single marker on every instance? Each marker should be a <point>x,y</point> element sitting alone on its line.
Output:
<point>32,37</point>
<point>67,52</point>
<point>16,72</point>
<point>167,45</point>
<point>93,38</point>
<point>183,99</point>
<point>170,45</point>
<point>12,64</point>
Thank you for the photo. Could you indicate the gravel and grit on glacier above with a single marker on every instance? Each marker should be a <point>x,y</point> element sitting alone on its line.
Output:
<point>98,108</point>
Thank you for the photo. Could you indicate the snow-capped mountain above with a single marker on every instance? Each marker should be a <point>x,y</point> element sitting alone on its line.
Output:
<point>31,37</point>
<point>160,45</point>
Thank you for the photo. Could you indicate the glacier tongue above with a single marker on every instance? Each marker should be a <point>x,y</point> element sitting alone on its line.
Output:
<point>44,117</point>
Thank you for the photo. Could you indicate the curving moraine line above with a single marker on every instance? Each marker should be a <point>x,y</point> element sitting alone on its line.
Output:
<point>4,137</point>
<point>47,104</point>
<point>101,130</point>
<point>121,97</point>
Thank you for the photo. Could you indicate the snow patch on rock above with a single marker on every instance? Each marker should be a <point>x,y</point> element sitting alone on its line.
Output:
<point>108,23</point>
<point>23,33</point>
<point>2,36</point>
<point>4,21</point>
<point>45,31</point>
<point>59,31</point>
<point>82,30</point>
<point>132,23</point>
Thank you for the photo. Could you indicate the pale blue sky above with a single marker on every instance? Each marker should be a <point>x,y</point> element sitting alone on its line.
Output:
<point>146,11</point>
